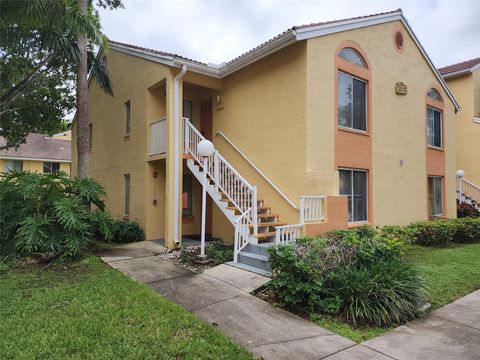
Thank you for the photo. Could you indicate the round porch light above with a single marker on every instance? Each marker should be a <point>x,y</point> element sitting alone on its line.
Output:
<point>205,148</point>
<point>460,173</point>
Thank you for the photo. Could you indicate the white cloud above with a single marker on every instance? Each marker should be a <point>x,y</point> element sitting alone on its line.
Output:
<point>219,30</point>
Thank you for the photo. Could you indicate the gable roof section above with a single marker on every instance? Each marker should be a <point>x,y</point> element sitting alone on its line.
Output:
<point>290,36</point>
<point>39,147</point>
<point>461,68</point>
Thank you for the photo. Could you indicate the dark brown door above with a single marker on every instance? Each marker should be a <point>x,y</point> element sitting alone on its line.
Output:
<point>206,130</point>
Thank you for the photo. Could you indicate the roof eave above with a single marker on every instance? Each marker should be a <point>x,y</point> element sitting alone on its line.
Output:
<point>462,72</point>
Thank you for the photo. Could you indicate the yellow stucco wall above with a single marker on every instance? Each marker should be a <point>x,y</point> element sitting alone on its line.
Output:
<point>37,166</point>
<point>398,124</point>
<point>467,91</point>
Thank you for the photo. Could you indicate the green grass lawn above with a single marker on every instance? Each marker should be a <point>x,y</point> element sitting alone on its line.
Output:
<point>90,311</point>
<point>450,273</point>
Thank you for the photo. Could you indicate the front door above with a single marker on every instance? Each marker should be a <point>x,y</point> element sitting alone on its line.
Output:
<point>206,130</point>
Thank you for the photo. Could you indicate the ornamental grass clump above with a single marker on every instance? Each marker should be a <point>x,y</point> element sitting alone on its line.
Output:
<point>358,275</point>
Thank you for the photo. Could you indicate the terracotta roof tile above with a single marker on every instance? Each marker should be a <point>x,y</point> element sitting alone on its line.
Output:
<point>461,66</point>
<point>39,146</point>
<point>158,52</point>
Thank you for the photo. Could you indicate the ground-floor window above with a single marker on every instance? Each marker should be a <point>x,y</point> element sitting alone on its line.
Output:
<point>435,195</point>
<point>127,194</point>
<point>13,165</point>
<point>187,196</point>
<point>353,184</point>
<point>51,167</point>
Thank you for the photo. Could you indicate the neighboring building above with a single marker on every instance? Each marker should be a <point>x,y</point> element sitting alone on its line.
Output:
<point>40,153</point>
<point>66,135</point>
<point>351,113</point>
<point>464,81</point>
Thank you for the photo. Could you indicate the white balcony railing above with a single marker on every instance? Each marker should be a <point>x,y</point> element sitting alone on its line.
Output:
<point>312,209</point>
<point>158,138</point>
<point>286,234</point>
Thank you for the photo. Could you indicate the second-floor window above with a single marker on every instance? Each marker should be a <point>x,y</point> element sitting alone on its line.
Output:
<point>51,167</point>
<point>352,102</point>
<point>434,127</point>
<point>128,119</point>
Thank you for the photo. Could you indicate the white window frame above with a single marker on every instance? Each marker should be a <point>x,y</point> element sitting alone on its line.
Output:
<point>441,128</point>
<point>366,193</point>
<point>351,128</point>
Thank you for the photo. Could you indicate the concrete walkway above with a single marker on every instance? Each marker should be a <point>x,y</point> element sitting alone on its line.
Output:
<point>221,297</point>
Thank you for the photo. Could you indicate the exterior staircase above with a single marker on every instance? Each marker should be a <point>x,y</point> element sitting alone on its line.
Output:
<point>468,192</point>
<point>256,226</point>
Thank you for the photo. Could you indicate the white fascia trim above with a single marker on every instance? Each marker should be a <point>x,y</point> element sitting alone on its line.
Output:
<point>434,69</point>
<point>476,120</point>
<point>166,60</point>
<point>335,27</point>
<point>33,159</point>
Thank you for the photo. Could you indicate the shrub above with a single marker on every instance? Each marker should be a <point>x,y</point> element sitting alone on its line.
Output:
<point>467,230</point>
<point>49,215</point>
<point>384,293</point>
<point>465,210</point>
<point>433,233</point>
<point>362,279</point>
<point>127,232</point>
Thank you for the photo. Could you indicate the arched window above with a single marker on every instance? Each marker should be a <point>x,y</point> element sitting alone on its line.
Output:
<point>352,56</point>
<point>434,94</point>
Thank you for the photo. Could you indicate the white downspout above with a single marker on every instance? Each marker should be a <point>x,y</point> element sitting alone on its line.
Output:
<point>176,164</point>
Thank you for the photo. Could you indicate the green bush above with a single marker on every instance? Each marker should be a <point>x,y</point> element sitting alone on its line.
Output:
<point>465,210</point>
<point>127,232</point>
<point>350,274</point>
<point>433,233</point>
<point>467,230</point>
<point>49,215</point>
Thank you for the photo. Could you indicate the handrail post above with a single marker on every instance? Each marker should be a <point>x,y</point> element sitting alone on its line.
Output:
<point>254,210</point>
<point>216,170</point>
<point>235,246</point>
<point>186,133</point>
<point>302,210</point>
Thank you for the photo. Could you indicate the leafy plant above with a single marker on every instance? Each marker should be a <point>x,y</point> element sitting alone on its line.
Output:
<point>433,233</point>
<point>465,210</point>
<point>127,232</point>
<point>467,230</point>
<point>50,215</point>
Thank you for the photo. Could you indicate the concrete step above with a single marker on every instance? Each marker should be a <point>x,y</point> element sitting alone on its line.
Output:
<point>250,268</point>
<point>260,249</point>
<point>255,260</point>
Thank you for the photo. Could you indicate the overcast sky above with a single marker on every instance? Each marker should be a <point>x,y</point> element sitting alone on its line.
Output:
<point>219,30</point>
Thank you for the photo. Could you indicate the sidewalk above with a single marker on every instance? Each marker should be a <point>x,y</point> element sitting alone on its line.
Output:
<point>221,296</point>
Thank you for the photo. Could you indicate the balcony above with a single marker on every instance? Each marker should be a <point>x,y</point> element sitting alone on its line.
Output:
<point>158,138</point>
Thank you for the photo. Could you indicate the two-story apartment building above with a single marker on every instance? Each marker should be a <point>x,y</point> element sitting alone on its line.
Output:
<point>464,81</point>
<point>328,125</point>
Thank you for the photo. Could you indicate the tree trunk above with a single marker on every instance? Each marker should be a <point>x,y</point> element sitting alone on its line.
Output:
<point>83,148</point>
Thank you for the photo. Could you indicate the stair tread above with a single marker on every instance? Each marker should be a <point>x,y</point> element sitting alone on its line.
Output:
<point>267,215</point>
<point>265,234</point>
<point>253,255</point>
<point>273,223</point>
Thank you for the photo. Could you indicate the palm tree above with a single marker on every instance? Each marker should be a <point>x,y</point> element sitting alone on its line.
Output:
<point>56,25</point>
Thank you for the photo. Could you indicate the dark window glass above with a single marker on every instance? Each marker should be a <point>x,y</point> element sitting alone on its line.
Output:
<point>128,119</point>
<point>352,102</point>
<point>353,184</point>
<point>434,127</point>
<point>51,167</point>
<point>187,196</point>
<point>434,94</point>
<point>13,165</point>
<point>127,194</point>
<point>352,56</point>
<point>435,195</point>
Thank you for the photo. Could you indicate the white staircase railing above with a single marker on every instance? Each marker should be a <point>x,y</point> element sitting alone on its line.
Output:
<point>226,178</point>
<point>242,233</point>
<point>287,233</point>
<point>468,190</point>
<point>312,208</point>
